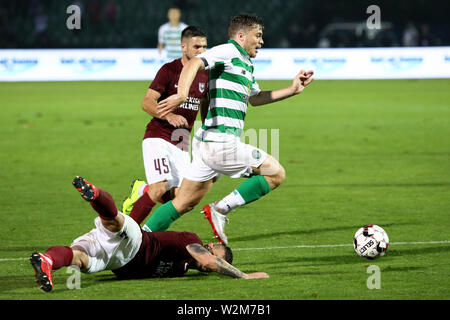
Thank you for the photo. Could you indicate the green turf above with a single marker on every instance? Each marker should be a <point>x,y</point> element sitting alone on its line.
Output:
<point>355,152</point>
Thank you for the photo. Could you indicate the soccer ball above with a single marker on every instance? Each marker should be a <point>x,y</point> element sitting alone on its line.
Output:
<point>371,241</point>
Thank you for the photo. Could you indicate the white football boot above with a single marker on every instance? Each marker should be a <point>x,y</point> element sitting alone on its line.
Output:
<point>217,221</point>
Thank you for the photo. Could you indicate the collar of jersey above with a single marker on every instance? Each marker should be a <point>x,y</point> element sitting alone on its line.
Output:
<point>241,50</point>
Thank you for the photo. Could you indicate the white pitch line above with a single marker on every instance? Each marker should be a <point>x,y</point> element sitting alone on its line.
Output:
<point>298,247</point>
<point>12,259</point>
<point>338,245</point>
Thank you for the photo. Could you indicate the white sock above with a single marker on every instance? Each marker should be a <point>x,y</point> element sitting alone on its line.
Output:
<point>141,190</point>
<point>230,202</point>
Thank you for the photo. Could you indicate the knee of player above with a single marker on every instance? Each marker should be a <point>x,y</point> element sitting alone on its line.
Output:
<point>80,259</point>
<point>277,178</point>
<point>155,192</point>
<point>184,205</point>
<point>281,174</point>
<point>113,225</point>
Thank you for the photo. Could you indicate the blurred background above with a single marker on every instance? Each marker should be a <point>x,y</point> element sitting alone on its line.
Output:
<point>288,24</point>
<point>355,152</point>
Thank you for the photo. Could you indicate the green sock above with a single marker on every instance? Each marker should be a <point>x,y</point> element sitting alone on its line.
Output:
<point>162,218</point>
<point>253,188</point>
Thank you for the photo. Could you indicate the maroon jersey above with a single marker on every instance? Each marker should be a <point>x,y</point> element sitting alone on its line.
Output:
<point>161,254</point>
<point>166,83</point>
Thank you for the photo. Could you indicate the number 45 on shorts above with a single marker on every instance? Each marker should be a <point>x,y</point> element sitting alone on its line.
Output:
<point>161,165</point>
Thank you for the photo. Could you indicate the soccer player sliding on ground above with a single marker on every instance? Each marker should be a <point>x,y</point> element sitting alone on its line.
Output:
<point>118,243</point>
<point>217,149</point>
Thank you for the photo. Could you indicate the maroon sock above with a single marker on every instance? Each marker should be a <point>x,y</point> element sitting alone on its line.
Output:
<point>104,205</point>
<point>60,255</point>
<point>142,208</point>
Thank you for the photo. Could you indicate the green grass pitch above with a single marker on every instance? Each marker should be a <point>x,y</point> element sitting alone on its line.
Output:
<point>355,152</point>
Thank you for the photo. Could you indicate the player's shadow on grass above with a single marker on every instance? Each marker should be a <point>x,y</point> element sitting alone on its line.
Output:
<point>17,282</point>
<point>307,261</point>
<point>194,275</point>
<point>311,273</point>
<point>350,258</point>
<point>401,269</point>
<point>271,235</point>
<point>27,249</point>
<point>372,185</point>
<point>331,272</point>
<point>289,233</point>
<point>404,250</point>
<point>14,282</point>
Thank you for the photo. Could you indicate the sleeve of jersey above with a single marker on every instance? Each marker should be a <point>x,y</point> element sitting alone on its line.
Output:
<point>161,80</point>
<point>216,56</point>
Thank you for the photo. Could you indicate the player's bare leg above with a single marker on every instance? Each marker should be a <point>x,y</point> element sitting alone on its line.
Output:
<point>189,195</point>
<point>157,190</point>
<point>272,170</point>
<point>149,195</point>
<point>268,176</point>
<point>80,257</point>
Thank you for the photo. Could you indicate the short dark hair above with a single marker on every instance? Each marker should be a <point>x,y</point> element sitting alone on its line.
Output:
<point>228,255</point>
<point>193,31</point>
<point>243,21</point>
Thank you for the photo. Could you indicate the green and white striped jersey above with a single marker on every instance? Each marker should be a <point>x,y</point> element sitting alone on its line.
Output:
<point>170,37</point>
<point>231,84</point>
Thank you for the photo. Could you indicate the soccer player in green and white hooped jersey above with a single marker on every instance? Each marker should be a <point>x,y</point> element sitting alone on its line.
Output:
<point>169,34</point>
<point>217,149</point>
<point>232,83</point>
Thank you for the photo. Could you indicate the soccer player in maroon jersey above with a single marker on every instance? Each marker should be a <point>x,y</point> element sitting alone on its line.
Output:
<point>119,244</point>
<point>166,140</point>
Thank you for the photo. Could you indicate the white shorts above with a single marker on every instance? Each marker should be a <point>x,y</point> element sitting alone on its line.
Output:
<point>213,159</point>
<point>110,250</point>
<point>164,162</point>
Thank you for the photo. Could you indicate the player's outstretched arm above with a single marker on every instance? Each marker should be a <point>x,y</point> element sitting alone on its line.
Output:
<point>187,76</point>
<point>210,262</point>
<point>300,82</point>
<point>149,104</point>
